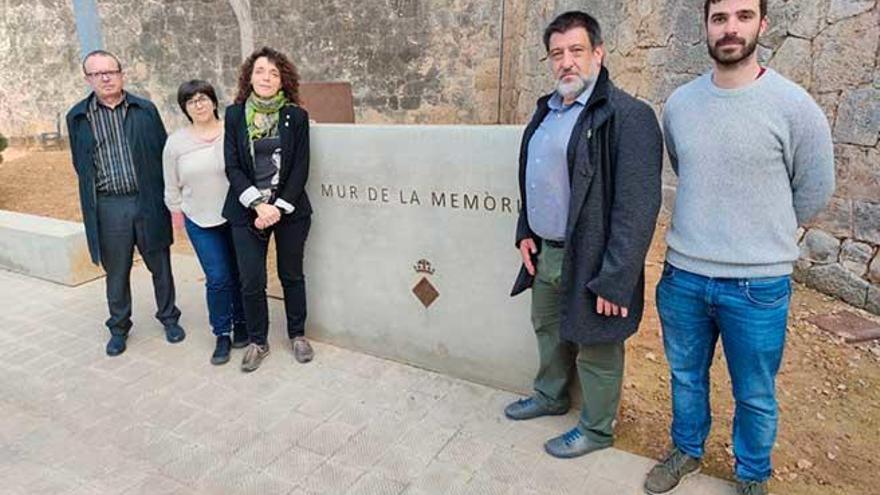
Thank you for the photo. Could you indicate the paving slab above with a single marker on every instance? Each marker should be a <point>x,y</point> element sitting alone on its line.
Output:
<point>160,419</point>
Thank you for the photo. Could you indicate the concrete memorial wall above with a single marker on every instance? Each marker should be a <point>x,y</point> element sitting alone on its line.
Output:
<point>411,250</point>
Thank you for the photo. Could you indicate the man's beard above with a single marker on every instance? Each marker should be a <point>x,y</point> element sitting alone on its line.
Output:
<point>717,52</point>
<point>573,89</point>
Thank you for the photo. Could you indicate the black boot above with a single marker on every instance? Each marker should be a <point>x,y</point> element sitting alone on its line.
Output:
<point>240,337</point>
<point>221,352</point>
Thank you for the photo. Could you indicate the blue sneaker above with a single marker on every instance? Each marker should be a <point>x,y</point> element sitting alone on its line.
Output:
<point>529,408</point>
<point>116,344</point>
<point>572,443</point>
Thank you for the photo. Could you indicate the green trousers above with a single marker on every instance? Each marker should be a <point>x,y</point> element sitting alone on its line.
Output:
<point>599,367</point>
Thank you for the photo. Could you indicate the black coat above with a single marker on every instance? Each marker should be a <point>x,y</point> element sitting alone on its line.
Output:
<point>293,129</point>
<point>146,137</point>
<point>615,156</point>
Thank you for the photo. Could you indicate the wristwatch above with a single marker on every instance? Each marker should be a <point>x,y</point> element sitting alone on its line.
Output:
<point>257,202</point>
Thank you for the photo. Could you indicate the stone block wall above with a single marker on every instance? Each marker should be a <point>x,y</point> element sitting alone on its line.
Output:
<point>409,61</point>
<point>472,62</point>
<point>39,69</point>
<point>844,267</point>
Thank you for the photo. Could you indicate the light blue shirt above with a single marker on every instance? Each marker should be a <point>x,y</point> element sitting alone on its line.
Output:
<point>548,186</point>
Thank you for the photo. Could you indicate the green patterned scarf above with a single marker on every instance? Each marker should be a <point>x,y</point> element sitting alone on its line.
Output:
<point>261,115</point>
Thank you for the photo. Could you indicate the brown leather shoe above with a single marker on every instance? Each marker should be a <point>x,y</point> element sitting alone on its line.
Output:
<point>253,356</point>
<point>302,350</point>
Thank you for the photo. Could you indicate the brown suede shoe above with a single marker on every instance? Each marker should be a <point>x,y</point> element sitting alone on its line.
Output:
<point>302,350</point>
<point>253,356</point>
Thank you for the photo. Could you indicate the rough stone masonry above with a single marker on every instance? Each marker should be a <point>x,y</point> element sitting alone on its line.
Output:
<point>474,62</point>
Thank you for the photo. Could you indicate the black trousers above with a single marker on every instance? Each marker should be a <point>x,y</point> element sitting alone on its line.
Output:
<point>250,251</point>
<point>119,230</point>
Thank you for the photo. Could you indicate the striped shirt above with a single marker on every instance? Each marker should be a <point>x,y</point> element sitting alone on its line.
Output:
<point>113,160</point>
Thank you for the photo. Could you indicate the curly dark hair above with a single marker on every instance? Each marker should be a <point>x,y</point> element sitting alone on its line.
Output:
<point>289,74</point>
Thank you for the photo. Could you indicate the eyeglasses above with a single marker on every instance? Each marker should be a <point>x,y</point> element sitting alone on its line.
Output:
<point>198,100</point>
<point>109,74</point>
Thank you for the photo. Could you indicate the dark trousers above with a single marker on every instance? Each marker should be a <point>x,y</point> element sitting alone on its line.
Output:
<point>119,230</point>
<point>250,250</point>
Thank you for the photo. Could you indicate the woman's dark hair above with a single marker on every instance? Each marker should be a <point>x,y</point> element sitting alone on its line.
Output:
<point>289,75</point>
<point>189,89</point>
<point>574,19</point>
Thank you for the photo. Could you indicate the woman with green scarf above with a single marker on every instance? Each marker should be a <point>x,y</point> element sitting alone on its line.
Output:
<point>266,149</point>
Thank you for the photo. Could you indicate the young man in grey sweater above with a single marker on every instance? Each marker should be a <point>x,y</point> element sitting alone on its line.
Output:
<point>754,158</point>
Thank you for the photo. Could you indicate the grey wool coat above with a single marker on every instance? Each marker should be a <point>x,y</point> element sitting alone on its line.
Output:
<point>615,157</point>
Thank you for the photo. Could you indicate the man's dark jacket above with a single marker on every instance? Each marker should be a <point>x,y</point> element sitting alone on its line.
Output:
<point>293,130</point>
<point>615,156</point>
<point>146,138</point>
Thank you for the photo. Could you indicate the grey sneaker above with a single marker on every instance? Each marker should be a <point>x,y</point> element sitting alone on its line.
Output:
<point>302,350</point>
<point>752,488</point>
<point>668,474</point>
<point>253,356</point>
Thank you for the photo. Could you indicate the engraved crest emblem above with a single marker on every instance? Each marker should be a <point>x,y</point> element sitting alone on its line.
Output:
<point>424,290</point>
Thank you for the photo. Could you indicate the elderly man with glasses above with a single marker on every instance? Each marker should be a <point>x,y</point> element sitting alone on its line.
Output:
<point>116,140</point>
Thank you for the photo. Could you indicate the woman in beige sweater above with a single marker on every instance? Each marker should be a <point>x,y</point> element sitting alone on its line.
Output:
<point>196,185</point>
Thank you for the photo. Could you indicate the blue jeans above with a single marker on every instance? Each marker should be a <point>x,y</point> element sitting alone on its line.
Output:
<point>216,254</point>
<point>750,315</point>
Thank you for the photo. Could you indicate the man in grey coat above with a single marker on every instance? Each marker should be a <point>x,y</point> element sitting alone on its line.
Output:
<point>589,177</point>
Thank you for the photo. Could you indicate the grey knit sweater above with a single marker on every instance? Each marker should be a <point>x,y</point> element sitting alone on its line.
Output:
<point>753,163</point>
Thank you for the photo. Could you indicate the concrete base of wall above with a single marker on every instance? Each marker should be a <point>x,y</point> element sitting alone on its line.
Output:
<point>46,248</point>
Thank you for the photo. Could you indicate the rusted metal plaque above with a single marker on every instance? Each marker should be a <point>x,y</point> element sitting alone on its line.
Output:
<point>328,102</point>
<point>849,326</point>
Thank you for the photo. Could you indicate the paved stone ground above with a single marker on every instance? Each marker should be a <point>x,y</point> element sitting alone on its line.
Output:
<point>161,420</point>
